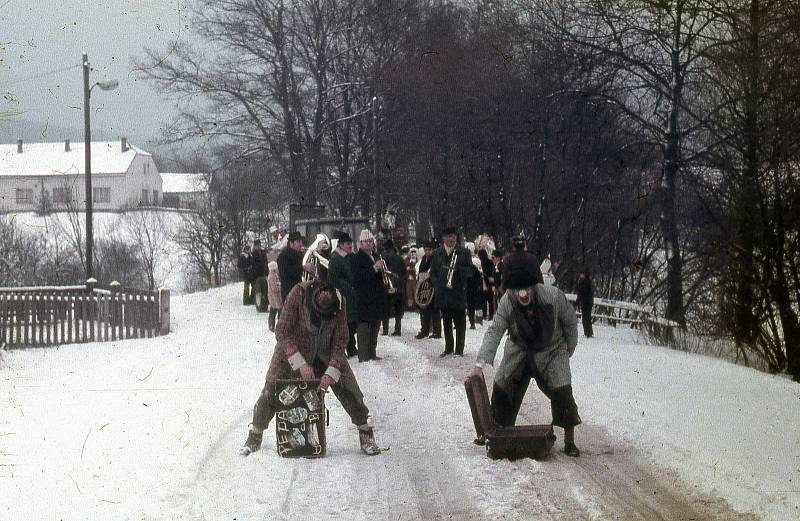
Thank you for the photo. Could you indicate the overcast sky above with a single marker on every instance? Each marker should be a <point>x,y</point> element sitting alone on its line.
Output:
<point>41,77</point>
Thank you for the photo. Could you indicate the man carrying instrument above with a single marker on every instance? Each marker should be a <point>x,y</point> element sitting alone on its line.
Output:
<point>396,292</point>
<point>451,268</point>
<point>429,317</point>
<point>370,295</point>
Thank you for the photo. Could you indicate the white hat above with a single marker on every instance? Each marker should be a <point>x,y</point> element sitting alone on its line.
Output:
<point>273,229</point>
<point>365,236</point>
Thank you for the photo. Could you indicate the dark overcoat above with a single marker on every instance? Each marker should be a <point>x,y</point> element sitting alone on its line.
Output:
<point>290,268</point>
<point>370,292</point>
<point>455,296</point>
<point>340,276</point>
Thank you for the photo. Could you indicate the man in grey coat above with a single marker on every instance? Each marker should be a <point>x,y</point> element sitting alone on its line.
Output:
<point>542,336</point>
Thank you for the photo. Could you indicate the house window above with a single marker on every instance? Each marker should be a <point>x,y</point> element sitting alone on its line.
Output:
<point>62,195</point>
<point>101,195</point>
<point>24,195</point>
<point>155,197</point>
<point>144,201</point>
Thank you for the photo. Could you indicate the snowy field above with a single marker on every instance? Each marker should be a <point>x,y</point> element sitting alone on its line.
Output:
<point>149,429</point>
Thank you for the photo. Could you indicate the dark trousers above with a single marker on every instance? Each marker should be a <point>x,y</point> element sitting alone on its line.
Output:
<point>367,336</point>
<point>248,296</point>
<point>454,318</point>
<point>274,315</point>
<point>430,321</point>
<point>396,310</point>
<point>351,342</point>
<point>348,394</point>
<point>586,319</point>
<point>488,304</point>
<point>506,402</point>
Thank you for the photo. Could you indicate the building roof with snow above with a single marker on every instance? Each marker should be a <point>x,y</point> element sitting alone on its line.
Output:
<point>174,182</point>
<point>47,159</point>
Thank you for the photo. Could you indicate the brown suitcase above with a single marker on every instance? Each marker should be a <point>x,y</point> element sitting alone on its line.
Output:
<point>519,441</point>
<point>300,419</point>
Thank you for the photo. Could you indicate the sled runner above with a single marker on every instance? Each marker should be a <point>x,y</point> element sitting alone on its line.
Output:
<point>520,441</point>
<point>300,419</point>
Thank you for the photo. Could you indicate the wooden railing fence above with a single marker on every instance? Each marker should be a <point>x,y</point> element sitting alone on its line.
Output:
<point>46,316</point>
<point>630,313</point>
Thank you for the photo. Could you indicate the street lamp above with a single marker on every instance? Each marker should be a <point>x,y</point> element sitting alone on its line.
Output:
<point>87,147</point>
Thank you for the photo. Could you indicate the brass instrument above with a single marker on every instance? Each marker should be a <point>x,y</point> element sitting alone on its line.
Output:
<point>312,256</point>
<point>450,270</point>
<point>387,277</point>
<point>423,293</point>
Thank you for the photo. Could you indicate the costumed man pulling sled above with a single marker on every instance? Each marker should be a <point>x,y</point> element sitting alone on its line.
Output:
<point>543,334</point>
<point>311,338</point>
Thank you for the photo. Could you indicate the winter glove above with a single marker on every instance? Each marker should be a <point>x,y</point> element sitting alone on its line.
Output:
<point>307,372</point>
<point>325,382</point>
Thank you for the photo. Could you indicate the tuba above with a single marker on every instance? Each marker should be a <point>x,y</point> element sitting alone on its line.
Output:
<point>423,293</point>
<point>313,256</point>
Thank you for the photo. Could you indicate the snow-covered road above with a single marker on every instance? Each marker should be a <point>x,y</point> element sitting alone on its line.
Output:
<point>149,429</point>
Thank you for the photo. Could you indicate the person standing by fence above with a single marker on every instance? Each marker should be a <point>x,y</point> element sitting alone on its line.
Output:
<point>585,299</point>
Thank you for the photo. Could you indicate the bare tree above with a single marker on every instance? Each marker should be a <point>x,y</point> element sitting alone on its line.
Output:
<point>148,234</point>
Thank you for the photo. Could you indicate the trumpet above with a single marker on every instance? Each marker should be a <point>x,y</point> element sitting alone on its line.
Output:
<point>450,270</point>
<point>387,277</point>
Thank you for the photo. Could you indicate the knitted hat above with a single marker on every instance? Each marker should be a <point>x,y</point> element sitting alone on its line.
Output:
<point>365,236</point>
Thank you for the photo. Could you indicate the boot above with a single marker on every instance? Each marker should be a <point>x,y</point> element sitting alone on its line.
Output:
<point>367,439</point>
<point>420,335</point>
<point>252,444</point>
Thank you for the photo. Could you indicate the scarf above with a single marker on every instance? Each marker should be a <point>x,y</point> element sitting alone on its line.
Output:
<point>534,323</point>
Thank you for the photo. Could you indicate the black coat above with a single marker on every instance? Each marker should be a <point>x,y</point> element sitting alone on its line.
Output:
<point>245,267</point>
<point>290,268</point>
<point>370,292</point>
<point>454,297</point>
<point>260,268</point>
<point>340,276</point>
<point>585,293</point>
<point>397,266</point>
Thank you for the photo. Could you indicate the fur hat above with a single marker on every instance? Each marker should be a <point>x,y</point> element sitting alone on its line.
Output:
<point>365,236</point>
<point>521,271</point>
<point>344,237</point>
<point>295,236</point>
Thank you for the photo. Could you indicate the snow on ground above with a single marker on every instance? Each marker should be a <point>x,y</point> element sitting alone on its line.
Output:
<point>148,429</point>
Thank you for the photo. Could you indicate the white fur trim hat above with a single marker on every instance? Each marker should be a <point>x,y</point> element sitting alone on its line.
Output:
<point>365,236</point>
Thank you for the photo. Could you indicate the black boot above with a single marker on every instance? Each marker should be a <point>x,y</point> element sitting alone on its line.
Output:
<point>252,444</point>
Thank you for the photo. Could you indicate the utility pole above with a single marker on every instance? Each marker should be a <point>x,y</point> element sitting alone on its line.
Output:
<point>87,148</point>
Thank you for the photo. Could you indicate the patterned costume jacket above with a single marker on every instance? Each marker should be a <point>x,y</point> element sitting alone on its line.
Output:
<point>298,341</point>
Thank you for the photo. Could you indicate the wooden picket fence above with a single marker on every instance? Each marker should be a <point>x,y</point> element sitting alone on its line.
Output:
<point>47,316</point>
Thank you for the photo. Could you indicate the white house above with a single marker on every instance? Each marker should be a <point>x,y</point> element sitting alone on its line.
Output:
<point>184,190</point>
<point>51,175</point>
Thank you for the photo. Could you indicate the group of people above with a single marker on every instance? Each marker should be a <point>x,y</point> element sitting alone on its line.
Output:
<point>339,312</point>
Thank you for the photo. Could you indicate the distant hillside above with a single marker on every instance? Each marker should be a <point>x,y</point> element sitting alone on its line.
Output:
<point>32,131</point>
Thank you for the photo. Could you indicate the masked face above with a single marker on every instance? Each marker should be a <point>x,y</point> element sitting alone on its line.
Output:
<point>523,296</point>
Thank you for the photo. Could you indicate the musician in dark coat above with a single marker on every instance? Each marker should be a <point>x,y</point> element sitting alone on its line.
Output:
<point>585,299</point>
<point>370,295</point>
<point>451,268</point>
<point>340,275</point>
<point>260,268</point>
<point>290,264</point>
<point>430,319</point>
<point>487,286</point>
<point>394,301</point>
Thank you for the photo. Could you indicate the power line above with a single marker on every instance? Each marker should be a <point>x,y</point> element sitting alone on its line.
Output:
<point>43,74</point>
